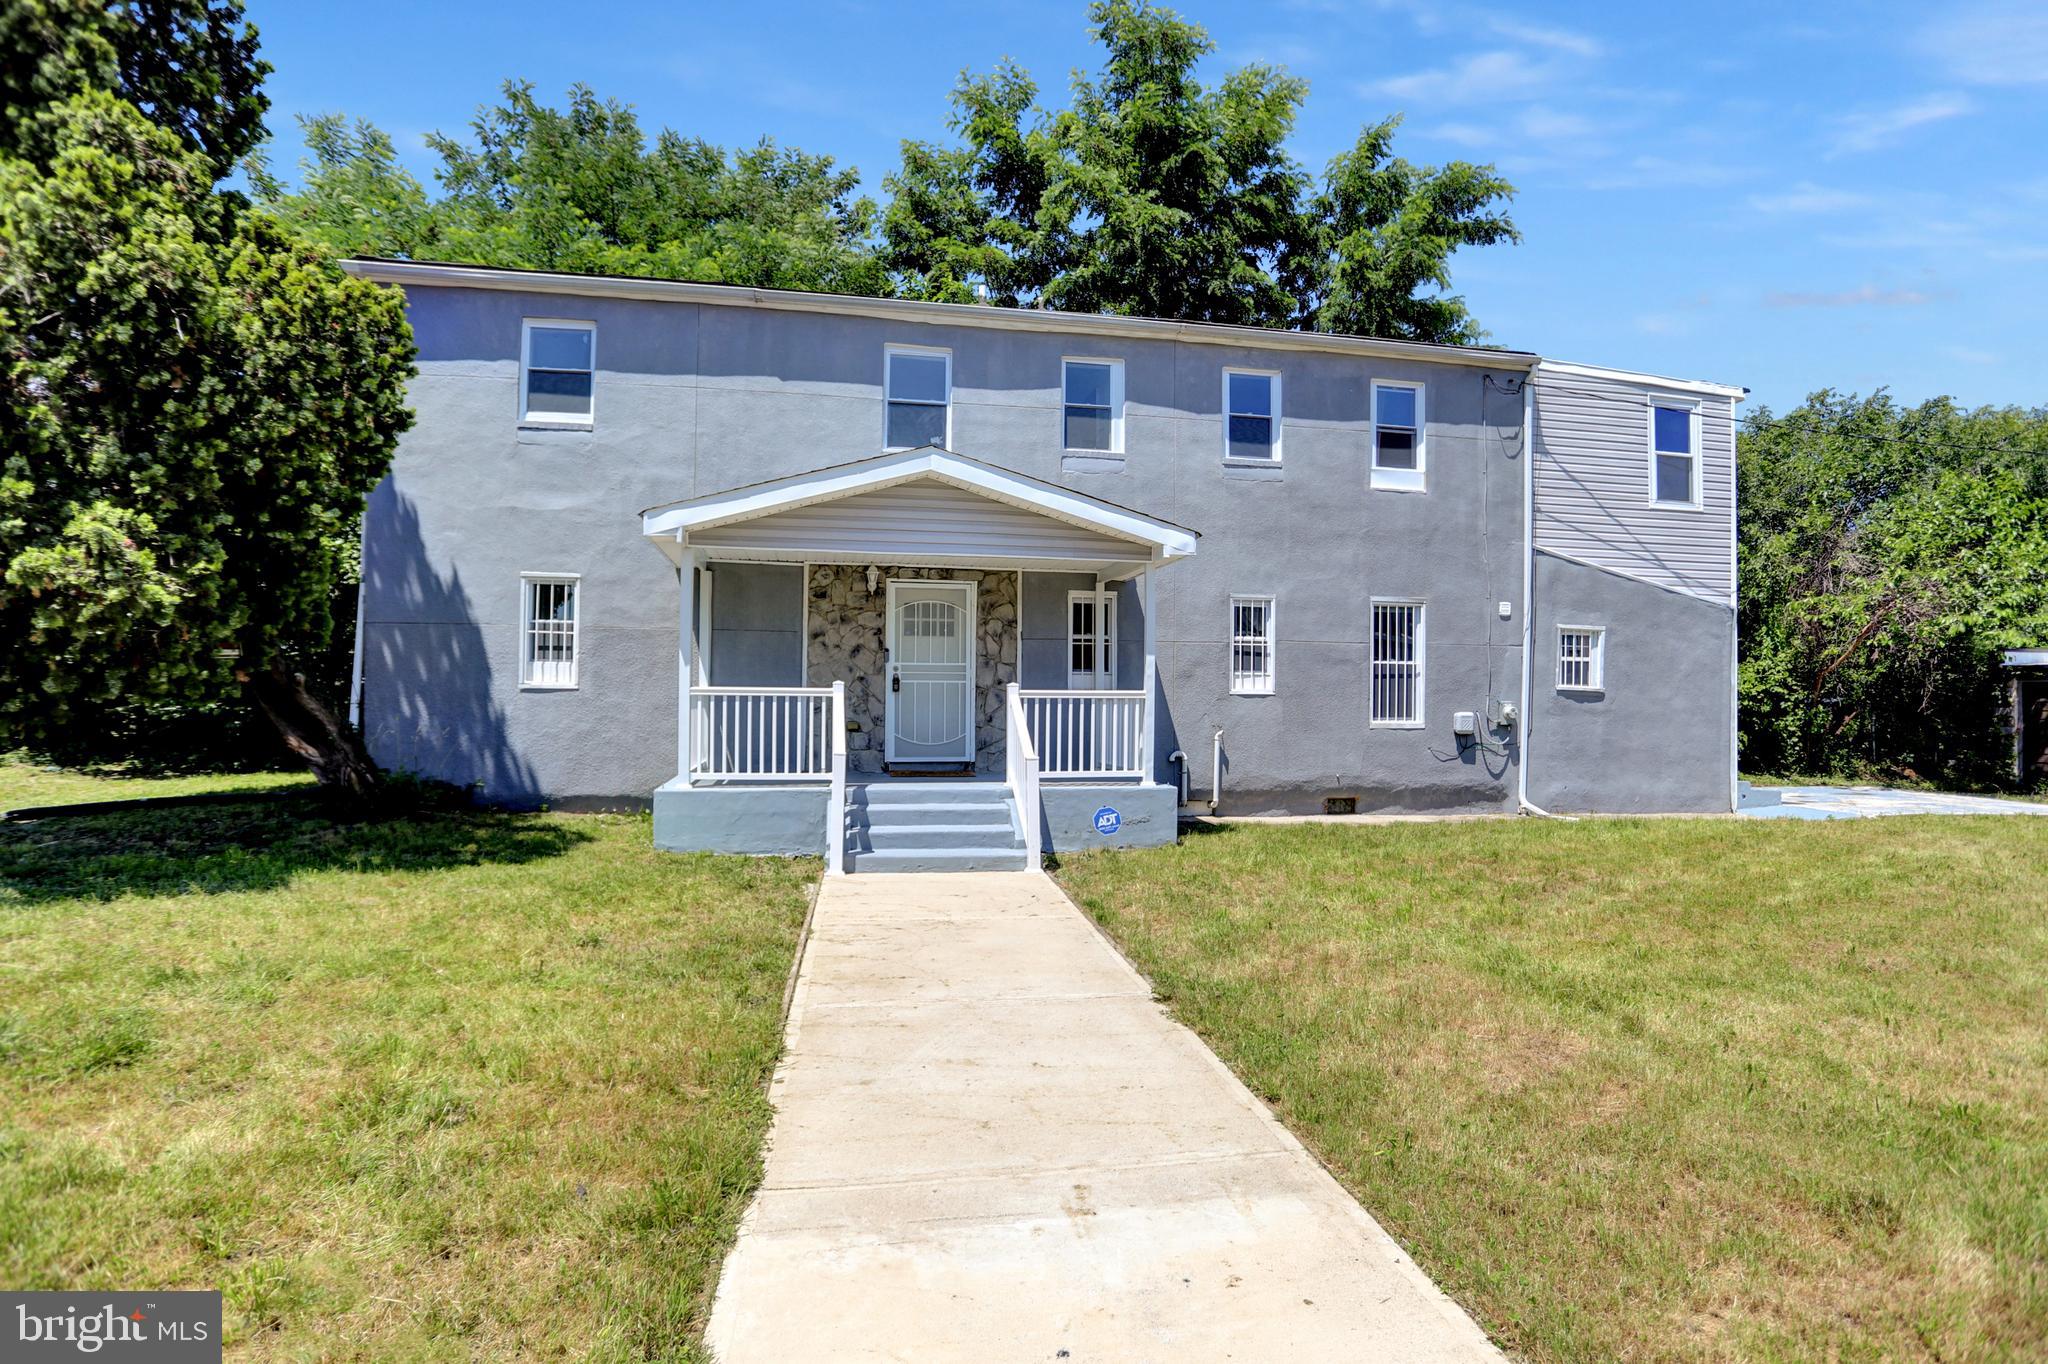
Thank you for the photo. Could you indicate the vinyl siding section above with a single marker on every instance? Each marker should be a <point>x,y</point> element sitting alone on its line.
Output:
<point>923,518</point>
<point>1592,448</point>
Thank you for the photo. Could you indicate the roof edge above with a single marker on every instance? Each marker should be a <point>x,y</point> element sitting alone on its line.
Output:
<point>1568,369</point>
<point>447,275</point>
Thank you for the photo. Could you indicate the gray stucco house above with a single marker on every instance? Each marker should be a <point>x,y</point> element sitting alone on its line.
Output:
<point>805,571</point>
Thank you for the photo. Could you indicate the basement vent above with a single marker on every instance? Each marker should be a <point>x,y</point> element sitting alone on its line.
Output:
<point>1340,805</point>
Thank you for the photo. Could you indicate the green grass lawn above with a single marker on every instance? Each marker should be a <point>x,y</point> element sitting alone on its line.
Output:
<point>24,783</point>
<point>1660,1089</point>
<point>469,1086</point>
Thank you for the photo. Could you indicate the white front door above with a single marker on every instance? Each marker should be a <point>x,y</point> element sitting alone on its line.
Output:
<point>930,672</point>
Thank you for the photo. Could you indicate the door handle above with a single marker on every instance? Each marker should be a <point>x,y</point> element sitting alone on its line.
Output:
<point>895,681</point>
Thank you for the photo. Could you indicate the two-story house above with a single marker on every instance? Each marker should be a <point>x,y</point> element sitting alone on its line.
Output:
<point>924,585</point>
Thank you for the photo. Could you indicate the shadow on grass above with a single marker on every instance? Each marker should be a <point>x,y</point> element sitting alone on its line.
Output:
<point>258,844</point>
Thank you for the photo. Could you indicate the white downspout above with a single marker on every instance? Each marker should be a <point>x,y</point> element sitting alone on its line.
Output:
<point>355,667</point>
<point>1528,592</point>
<point>1216,772</point>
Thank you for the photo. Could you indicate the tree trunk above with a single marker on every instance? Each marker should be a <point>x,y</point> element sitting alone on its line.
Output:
<point>309,729</point>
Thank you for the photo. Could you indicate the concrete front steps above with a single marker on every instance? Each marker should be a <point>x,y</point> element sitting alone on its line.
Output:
<point>954,825</point>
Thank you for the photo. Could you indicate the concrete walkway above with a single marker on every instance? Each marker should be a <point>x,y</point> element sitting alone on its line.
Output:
<point>990,1144</point>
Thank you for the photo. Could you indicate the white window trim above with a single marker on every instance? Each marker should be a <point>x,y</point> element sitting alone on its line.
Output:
<point>526,582</point>
<point>1421,662</point>
<point>894,349</point>
<point>559,420</point>
<point>1272,604</point>
<point>1251,461</point>
<point>1116,403</point>
<point>1105,638</point>
<point>1598,657</point>
<point>1401,480</point>
<point>1699,457</point>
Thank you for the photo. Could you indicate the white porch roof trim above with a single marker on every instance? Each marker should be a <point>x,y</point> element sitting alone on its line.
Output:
<point>670,526</point>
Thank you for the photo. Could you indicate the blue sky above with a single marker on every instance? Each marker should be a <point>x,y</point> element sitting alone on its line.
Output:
<point>1781,196</point>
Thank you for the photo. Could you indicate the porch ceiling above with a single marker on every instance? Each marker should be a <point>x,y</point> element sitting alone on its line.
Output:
<point>925,507</point>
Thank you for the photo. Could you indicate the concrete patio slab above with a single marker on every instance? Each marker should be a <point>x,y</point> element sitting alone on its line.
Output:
<point>991,1144</point>
<point>1862,802</point>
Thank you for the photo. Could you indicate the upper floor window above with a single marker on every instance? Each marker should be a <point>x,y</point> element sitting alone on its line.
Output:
<point>1251,646</point>
<point>1581,654</point>
<point>548,648</point>
<point>1674,455</point>
<point>556,365</point>
<point>1398,456</point>
<point>1251,414</point>
<point>1397,663</point>
<point>1093,399</point>
<point>919,387</point>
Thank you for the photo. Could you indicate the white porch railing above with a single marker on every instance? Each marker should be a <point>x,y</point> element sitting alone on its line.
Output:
<point>765,733</point>
<point>835,803</point>
<point>1020,770</point>
<point>1087,733</point>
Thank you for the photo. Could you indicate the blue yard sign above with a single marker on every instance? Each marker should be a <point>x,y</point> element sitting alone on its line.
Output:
<point>1108,821</point>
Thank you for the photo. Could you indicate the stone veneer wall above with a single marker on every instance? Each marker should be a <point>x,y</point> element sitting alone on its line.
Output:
<point>843,629</point>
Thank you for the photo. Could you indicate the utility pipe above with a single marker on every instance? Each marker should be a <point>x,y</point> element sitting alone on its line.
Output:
<point>1180,761</point>
<point>1528,593</point>
<point>1216,772</point>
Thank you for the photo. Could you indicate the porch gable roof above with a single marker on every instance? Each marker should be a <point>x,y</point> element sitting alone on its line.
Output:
<point>1115,532</point>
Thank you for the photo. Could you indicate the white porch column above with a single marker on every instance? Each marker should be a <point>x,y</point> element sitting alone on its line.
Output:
<point>686,619</point>
<point>1105,667</point>
<point>1146,756</point>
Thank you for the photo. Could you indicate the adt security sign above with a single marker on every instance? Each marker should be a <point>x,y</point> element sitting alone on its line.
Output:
<point>1108,821</point>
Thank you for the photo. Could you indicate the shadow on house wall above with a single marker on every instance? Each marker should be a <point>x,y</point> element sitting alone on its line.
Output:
<point>433,703</point>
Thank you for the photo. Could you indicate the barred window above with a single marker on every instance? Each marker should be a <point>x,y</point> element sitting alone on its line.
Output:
<point>1251,646</point>
<point>1397,663</point>
<point>549,656</point>
<point>1580,657</point>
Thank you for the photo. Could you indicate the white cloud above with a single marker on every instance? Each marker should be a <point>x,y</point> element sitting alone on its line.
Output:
<point>1482,78</point>
<point>1807,197</point>
<point>1536,123</point>
<point>1991,44</point>
<point>1542,35</point>
<point>1551,125</point>
<point>1663,324</point>
<point>1645,171</point>
<point>1464,134</point>
<point>1867,295</point>
<point>1874,128</point>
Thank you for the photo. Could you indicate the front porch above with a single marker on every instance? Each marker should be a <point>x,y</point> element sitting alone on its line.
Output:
<point>900,732</point>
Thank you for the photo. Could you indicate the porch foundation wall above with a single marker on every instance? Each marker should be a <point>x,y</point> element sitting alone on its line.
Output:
<point>1147,816</point>
<point>761,821</point>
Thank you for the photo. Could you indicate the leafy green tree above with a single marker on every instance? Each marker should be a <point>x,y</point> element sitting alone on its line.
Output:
<point>188,65</point>
<point>581,189</point>
<point>1888,556</point>
<point>1154,194</point>
<point>192,407</point>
